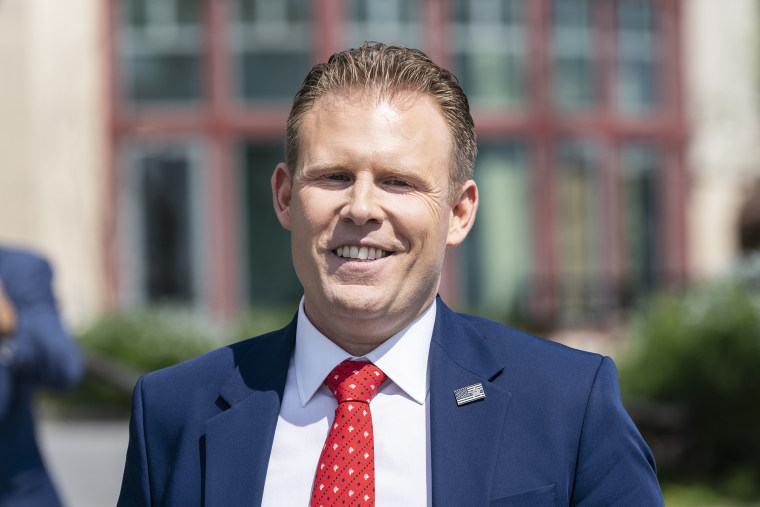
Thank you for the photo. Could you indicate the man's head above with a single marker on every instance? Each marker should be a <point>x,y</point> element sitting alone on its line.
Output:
<point>368,193</point>
<point>385,71</point>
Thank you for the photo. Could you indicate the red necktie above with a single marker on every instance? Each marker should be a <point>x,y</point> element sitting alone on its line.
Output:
<point>346,469</point>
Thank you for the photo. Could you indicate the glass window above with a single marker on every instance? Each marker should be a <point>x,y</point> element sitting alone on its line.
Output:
<point>578,227</point>
<point>268,266</point>
<point>162,215</point>
<point>640,163</point>
<point>388,21</point>
<point>271,46</point>
<point>490,47</point>
<point>573,61</point>
<point>161,48</point>
<point>637,78</point>
<point>498,254</point>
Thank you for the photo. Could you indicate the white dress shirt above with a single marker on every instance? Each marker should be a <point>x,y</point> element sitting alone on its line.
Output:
<point>400,416</point>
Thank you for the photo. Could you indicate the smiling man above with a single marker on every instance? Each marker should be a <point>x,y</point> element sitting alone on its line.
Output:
<point>371,180</point>
<point>376,393</point>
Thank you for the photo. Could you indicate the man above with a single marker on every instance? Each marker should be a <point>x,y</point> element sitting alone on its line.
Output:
<point>34,350</point>
<point>377,182</point>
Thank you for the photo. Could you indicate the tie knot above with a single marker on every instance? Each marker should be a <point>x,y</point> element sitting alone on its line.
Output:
<point>354,381</point>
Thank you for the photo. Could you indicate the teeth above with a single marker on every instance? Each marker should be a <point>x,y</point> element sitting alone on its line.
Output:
<point>361,253</point>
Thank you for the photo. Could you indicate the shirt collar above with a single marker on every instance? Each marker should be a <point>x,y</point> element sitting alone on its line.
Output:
<point>403,357</point>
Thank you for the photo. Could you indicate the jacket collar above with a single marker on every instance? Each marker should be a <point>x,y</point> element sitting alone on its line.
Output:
<point>464,439</point>
<point>238,441</point>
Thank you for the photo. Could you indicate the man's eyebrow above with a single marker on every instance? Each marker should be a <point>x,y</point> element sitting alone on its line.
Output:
<point>395,170</point>
<point>333,165</point>
<point>382,171</point>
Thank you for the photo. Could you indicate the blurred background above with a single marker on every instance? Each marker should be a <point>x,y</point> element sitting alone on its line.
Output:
<point>619,166</point>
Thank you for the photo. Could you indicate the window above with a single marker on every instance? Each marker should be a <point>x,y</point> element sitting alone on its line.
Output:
<point>390,21</point>
<point>489,47</point>
<point>637,83</point>
<point>641,170</point>
<point>578,215</point>
<point>270,43</point>
<point>160,52</point>
<point>499,257</point>
<point>573,54</point>
<point>269,274</point>
<point>579,82</point>
<point>580,135</point>
<point>163,210</point>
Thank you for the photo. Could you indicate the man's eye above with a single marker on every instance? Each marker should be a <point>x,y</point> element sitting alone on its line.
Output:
<point>337,177</point>
<point>399,183</point>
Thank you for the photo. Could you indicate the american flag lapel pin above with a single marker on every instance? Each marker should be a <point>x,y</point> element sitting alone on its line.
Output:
<point>465,395</point>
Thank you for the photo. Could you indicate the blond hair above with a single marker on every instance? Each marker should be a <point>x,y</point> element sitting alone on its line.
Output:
<point>388,70</point>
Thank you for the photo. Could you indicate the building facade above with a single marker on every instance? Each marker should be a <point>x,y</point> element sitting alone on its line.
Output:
<point>616,138</point>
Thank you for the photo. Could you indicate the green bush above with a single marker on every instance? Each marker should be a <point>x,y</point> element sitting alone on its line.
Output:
<point>701,351</point>
<point>119,347</point>
<point>153,339</point>
<point>262,319</point>
<point>149,340</point>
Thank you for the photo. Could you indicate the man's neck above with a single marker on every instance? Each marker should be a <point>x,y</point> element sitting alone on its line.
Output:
<point>359,335</point>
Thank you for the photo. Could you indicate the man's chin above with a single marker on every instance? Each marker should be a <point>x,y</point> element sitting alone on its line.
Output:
<point>358,304</point>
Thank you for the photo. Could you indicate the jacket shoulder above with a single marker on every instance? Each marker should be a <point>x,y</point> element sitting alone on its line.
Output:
<point>507,341</point>
<point>536,365</point>
<point>21,263</point>
<point>210,369</point>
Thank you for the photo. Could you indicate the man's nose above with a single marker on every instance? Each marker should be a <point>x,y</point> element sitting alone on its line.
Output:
<point>362,205</point>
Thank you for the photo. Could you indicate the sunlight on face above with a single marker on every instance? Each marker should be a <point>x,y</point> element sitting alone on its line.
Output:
<point>369,211</point>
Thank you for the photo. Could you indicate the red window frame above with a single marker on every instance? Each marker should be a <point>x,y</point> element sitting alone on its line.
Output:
<point>220,122</point>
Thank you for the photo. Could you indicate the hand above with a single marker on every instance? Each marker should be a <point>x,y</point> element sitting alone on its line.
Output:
<point>7,313</point>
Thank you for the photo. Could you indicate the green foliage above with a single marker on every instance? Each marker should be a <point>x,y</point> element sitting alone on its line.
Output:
<point>701,351</point>
<point>697,348</point>
<point>122,346</point>
<point>700,495</point>
<point>157,338</point>
<point>262,319</point>
<point>153,339</point>
<point>93,398</point>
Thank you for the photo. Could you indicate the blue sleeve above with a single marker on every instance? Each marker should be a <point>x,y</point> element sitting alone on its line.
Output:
<point>42,349</point>
<point>6,389</point>
<point>615,466</point>
<point>135,485</point>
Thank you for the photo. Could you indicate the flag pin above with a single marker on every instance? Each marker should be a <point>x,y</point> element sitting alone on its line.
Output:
<point>465,395</point>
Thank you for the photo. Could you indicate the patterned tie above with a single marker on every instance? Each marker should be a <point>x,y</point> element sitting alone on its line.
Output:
<point>346,469</point>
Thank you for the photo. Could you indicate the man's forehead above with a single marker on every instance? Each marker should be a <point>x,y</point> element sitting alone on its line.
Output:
<point>372,96</point>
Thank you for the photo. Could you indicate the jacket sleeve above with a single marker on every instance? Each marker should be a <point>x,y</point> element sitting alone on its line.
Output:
<point>615,466</point>
<point>135,485</point>
<point>42,349</point>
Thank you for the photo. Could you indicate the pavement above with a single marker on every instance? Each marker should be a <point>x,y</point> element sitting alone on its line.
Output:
<point>85,459</point>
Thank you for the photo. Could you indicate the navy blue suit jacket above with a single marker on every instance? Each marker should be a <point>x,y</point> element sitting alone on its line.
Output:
<point>551,430</point>
<point>42,354</point>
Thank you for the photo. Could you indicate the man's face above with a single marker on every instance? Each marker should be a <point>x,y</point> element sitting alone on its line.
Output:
<point>369,212</point>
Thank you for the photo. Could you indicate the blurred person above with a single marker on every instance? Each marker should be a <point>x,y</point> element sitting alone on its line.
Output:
<point>376,184</point>
<point>35,350</point>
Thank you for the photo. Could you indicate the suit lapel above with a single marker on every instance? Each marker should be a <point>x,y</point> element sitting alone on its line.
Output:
<point>464,440</point>
<point>238,441</point>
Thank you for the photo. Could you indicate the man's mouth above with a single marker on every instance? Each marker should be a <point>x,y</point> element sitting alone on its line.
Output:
<point>362,253</point>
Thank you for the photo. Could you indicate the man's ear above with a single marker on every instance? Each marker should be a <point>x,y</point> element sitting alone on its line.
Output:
<point>463,211</point>
<point>281,193</point>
